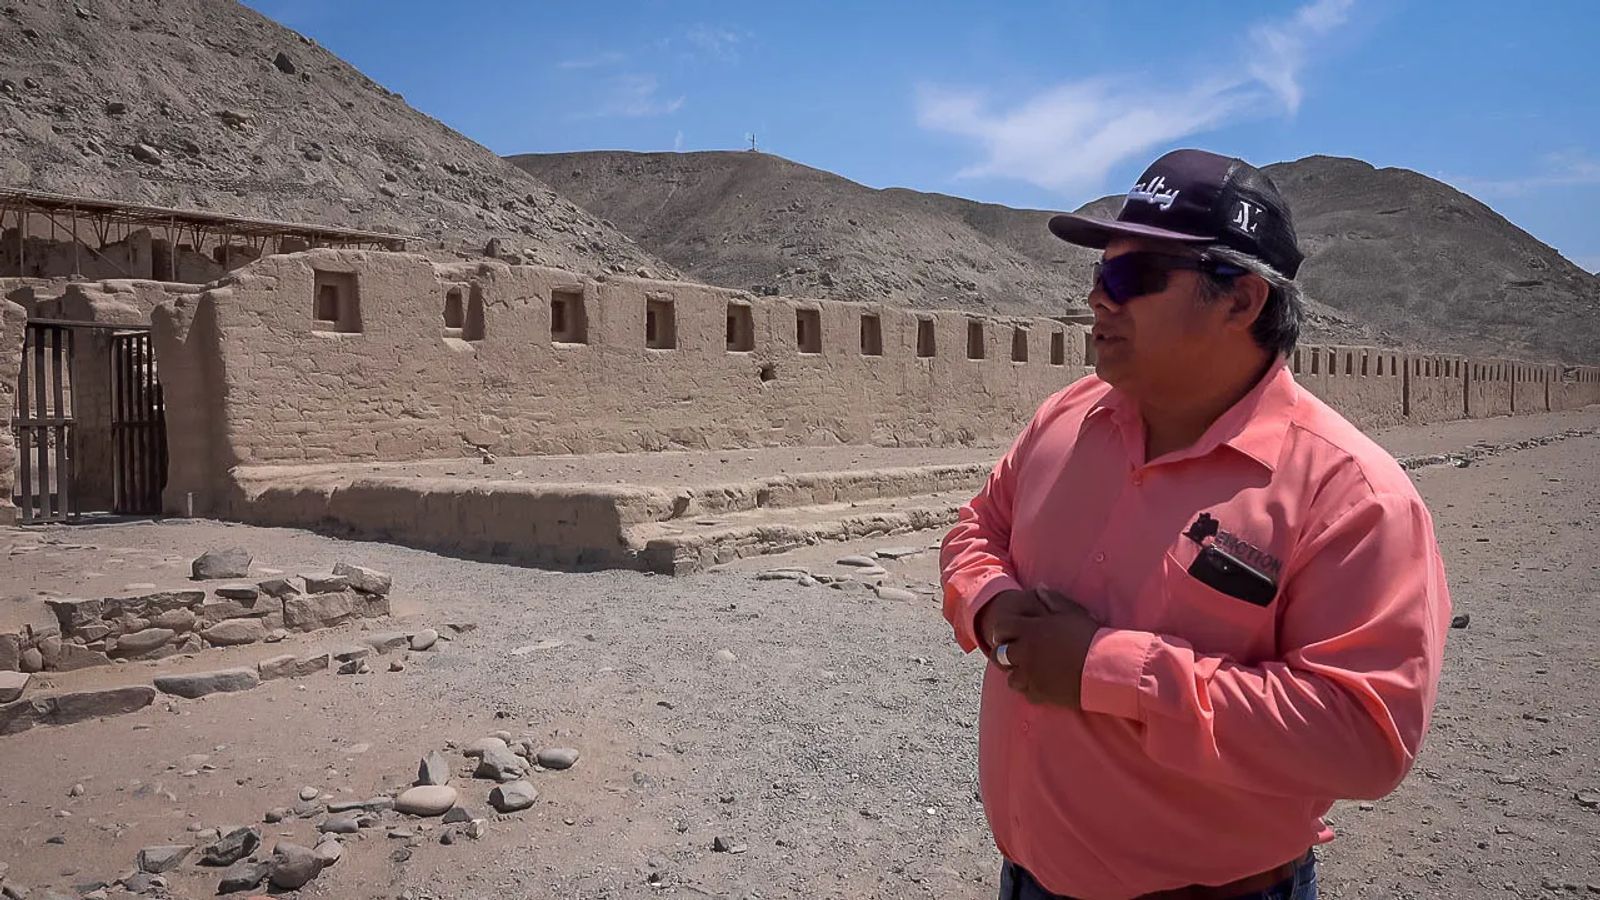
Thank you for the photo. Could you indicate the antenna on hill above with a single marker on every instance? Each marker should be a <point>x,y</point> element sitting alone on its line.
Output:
<point>752,137</point>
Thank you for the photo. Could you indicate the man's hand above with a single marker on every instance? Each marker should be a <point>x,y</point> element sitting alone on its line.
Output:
<point>1002,607</point>
<point>1047,638</point>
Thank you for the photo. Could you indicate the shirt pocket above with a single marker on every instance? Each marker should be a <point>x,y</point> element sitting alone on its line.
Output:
<point>1211,621</point>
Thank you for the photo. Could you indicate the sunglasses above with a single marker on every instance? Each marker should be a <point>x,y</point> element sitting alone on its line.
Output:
<point>1136,274</point>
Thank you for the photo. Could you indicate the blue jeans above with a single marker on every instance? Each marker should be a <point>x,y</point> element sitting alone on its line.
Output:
<point>1017,884</point>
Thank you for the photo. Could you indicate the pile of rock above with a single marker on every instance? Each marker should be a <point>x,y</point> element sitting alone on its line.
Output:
<point>152,626</point>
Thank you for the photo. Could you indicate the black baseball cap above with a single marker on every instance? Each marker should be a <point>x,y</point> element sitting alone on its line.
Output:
<point>1196,197</point>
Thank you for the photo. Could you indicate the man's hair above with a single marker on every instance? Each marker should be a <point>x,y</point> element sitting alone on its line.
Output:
<point>1277,328</point>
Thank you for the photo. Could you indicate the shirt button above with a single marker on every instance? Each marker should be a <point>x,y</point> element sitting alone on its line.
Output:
<point>1099,557</point>
<point>1138,480</point>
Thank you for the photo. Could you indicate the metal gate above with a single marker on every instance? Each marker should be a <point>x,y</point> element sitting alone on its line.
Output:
<point>44,425</point>
<point>138,425</point>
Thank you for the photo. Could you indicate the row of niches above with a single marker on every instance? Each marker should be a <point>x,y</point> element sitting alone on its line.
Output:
<point>1387,363</point>
<point>336,309</point>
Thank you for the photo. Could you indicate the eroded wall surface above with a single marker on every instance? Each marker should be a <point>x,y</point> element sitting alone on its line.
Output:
<point>13,319</point>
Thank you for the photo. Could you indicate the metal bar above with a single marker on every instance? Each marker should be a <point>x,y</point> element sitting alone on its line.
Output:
<point>63,482</point>
<point>117,454</point>
<point>77,267</point>
<point>140,482</point>
<point>25,432</point>
<point>76,508</point>
<point>40,393</point>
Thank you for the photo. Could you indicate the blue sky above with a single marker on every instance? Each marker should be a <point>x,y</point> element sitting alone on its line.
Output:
<point>1032,104</point>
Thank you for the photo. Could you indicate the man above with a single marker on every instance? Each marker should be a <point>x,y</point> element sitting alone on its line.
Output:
<point>1211,605</point>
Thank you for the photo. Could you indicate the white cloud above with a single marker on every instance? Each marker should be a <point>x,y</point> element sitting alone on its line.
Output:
<point>714,40</point>
<point>609,58</point>
<point>1068,137</point>
<point>1570,168</point>
<point>636,96</point>
<point>1282,47</point>
<point>677,141</point>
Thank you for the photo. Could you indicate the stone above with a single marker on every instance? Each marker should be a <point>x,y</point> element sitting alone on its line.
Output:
<point>199,684</point>
<point>97,631</point>
<point>275,636</point>
<point>895,552</point>
<point>477,748</point>
<point>329,850</point>
<point>870,571</point>
<point>277,814</point>
<point>141,642</point>
<point>232,632</point>
<point>32,660</point>
<point>367,581</point>
<point>18,717</point>
<point>231,847</point>
<point>10,652</point>
<point>177,620</point>
<point>232,562</point>
<point>75,612</point>
<point>725,655</point>
<point>293,866</point>
<point>279,588</point>
<point>893,593</point>
<point>146,154</point>
<point>1461,621</point>
<point>386,641</point>
<point>342,823</point>
<point>558,758</point>
<point>12,684</point>
<point>355,667</point>
<point>457,815</point>
<point>283,63</point>
<point>215,611</point>
<point>245,875</point>
<point>862,562</point>
<point>318,610</point>
<point>238,592</point>
<point>426,800</point>
<point>499,764</point>
<point>424,639</point>
<point>720,844</point>
<point>324,584</point>
<point>309,792</point>
<point>142,883</point>
<point>290,666</point>
<point>512,797</point>
<point>80,706</point>
<point>156,860</point>
<point>782,575</point>
<point>434,769</point>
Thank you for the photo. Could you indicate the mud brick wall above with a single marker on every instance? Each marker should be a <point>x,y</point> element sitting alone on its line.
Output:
<point>1435,388</point>
<point>1365,384</point>
<point>331,356</point>
<point>12,327</point>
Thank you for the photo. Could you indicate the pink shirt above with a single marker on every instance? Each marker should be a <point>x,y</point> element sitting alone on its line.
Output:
<point>1214,733</point>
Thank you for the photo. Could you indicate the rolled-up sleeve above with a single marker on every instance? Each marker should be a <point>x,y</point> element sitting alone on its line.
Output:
<point>1342,711</point>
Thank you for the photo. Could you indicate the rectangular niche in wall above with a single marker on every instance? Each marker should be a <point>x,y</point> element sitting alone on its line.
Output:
<point>871,334</point>
<point>1058,348</point>
<point>569,320</point>
<point>974,339</point>
<point>808,330</point>
<point>741,327</point>
<point>660,324</point>
<point>463,313</point>
<point>336,304</point>
<point>925,339</point>
<point>455,311</point>
<point>1019,345</point>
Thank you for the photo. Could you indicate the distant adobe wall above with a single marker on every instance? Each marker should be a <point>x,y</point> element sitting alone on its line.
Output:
<point>332,356</point>
<point>1364,384</point>
<point>1488,389</point>
<point>1572,387</point>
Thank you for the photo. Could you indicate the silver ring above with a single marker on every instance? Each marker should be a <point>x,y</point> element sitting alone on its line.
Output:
<point>1002,655</point>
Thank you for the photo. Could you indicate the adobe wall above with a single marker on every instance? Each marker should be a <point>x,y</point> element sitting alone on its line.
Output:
<point>1365,384</point>
<point>251,378</point>
<point>1574,386</point>
<point>1435,387</point>
<point>1488,388</point>
<point>12,321</point>
<point>138,255</point>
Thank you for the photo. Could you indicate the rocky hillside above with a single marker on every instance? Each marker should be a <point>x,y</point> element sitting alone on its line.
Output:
<point>205,103</point>
<point>1395,258</point>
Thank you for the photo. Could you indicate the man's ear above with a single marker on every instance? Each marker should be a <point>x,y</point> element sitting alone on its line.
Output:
<point>1246,300</point>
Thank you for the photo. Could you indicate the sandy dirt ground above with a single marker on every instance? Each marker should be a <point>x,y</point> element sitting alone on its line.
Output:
<point>827,735</point>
